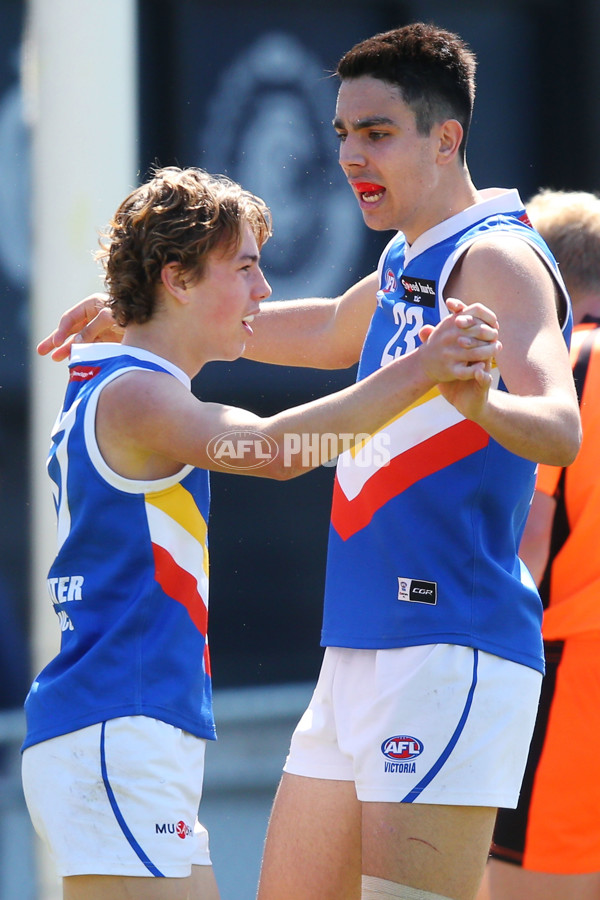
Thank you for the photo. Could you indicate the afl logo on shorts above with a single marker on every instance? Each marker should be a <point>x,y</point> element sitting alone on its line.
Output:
<point>401,747</point>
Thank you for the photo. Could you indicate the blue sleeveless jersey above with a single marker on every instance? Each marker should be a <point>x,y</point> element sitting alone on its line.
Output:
<point>129,583</point>
<point>427,515</point>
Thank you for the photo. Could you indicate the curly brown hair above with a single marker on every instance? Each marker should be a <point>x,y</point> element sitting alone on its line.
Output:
<point>177,216</point>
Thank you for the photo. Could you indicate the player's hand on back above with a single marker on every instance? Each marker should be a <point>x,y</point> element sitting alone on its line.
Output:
<point>88,322</point>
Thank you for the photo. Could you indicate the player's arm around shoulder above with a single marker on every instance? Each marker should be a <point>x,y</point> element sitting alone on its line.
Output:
<point>323,333</point>
<point>149,424</point>
<point>89,321</point>
<point>539,417</point>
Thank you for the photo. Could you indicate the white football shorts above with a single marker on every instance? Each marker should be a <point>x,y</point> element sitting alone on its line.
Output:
<point>119,798</point>
<point>438,723</point>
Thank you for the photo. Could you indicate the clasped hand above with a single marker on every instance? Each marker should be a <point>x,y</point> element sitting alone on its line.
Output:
<point>459,354</point>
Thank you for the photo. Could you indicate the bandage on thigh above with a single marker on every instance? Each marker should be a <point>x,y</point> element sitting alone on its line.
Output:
<point>378,889</point>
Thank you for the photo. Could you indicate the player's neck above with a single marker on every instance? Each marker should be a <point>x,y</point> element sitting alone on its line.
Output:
<point>452,195</point>
<point>159,337</point>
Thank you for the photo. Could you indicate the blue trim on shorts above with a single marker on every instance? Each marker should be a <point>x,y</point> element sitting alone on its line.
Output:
<point>428,778</point>
<point>118,815</point>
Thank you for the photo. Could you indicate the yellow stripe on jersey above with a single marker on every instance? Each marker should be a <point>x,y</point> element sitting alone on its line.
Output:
<point>177,503</point>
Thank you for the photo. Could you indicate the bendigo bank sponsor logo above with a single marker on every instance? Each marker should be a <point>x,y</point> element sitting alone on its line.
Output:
<point>83,373</point>
<point>399,751</point>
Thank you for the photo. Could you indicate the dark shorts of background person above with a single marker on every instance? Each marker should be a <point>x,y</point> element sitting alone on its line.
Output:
<point>556,827</point>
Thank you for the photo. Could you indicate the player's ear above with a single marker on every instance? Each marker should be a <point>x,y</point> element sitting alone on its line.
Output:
<point>174,281</point>
<point>450,137</point>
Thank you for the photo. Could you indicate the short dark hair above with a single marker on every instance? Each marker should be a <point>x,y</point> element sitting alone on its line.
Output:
<point>178,215</point>
<point>433,68</point>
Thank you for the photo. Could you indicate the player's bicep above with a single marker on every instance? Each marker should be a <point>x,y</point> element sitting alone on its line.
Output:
<point>146,414</point>
<point>208,435</point>
<point>511,278</point>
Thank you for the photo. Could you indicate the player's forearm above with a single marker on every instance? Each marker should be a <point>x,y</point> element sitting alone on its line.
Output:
<point>312,434</point>
<point>297,333</point>
<point>543,429</point>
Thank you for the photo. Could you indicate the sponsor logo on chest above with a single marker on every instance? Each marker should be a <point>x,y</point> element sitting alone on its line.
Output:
<point>418,290</point>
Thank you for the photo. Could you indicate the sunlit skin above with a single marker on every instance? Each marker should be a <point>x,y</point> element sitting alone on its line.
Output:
<point>226,299</point>
<point>398,175</point>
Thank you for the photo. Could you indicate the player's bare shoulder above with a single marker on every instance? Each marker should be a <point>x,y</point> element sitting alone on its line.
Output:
<point>504,271</point>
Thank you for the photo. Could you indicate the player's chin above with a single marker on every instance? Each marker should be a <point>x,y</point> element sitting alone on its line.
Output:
<point>238,351</point>
<point>376,223</point>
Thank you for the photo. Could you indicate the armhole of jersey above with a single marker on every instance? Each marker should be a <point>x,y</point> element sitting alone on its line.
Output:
<point>447,270</point>
<point>450,263</point>
<point>383,258</point>
<point>582,362</point>
<point>127,485</point>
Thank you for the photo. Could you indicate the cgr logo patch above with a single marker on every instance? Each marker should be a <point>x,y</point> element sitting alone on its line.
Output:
<point>414,591</point>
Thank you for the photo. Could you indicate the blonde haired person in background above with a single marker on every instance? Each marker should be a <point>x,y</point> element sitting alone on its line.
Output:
<point>549,847</point>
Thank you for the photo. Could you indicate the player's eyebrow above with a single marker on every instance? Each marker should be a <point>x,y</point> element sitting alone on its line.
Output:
<point>367,122</point>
